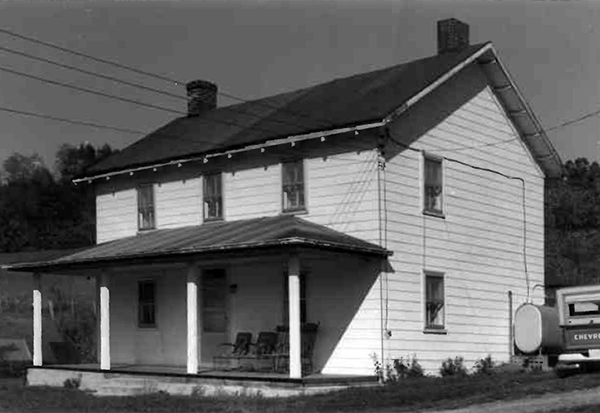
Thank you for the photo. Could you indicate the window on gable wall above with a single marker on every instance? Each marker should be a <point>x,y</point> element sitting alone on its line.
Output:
<point>293,186</point>
<point>145,198</point>
<point>434,301</point>
<point>213,198</point>
<point>433,184</point>
<point>147,303</point>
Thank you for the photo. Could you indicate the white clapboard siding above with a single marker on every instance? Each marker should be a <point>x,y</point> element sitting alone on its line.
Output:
<point>252,193</point>
<point>116,215</point>
<point>479,244</point>
<point>178,203</point>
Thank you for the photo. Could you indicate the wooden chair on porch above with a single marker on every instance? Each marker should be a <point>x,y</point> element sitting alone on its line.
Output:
<point>307,346</point>
<point>262,350</point>
<point>234,351</point>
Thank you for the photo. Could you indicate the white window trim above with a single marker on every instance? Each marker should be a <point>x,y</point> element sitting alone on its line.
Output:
<point>137,206</point>
<point>202,180</point>
<point>426,328</point>
<point>424,156</point>
<point>305,184</point>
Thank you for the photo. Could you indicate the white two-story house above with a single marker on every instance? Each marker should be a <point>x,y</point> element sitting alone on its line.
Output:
<point>396,209</point>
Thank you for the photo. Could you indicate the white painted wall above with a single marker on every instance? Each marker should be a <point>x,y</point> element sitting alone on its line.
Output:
<point>163,345</point>
<point>116,214</point>
<point>479,244</point>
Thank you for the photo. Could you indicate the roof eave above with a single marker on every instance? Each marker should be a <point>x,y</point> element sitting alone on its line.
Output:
<point>61,265</point>
<point>549,160</point>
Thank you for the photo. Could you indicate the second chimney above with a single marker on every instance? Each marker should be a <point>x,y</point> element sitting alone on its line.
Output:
<point>453,35</point>
<point>202,96</point>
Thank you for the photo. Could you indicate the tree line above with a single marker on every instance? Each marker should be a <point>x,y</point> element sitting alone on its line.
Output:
<point>40,208</point>
<point>573,225</point>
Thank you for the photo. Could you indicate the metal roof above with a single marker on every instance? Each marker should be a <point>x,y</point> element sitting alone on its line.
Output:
<point>212,237</point>
<point>342,102</point>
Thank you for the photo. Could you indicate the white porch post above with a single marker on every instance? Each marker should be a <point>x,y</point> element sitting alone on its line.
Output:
<point>104,320</point>
<point>192,319</point>
<point>294,314</point>
<point>37,319</point>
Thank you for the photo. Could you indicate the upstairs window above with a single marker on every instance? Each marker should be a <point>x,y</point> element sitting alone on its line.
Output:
<point>433,186</point>
<point>147,303</point>
<point>145,198</point>
<point>293,186</point>
<point>434,301</point>
<point>213,198</point>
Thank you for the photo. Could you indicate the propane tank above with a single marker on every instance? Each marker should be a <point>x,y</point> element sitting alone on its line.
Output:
<point>537,328</point>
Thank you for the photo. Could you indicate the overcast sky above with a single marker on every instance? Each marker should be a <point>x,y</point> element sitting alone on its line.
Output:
<point>258,48</point>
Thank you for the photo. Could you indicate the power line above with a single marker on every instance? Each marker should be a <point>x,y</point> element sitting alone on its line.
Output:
<point>87,56</point>
<point>576,120</point>
<point>70,121</point>
<point>127,100</point>
<point>86,90</point>
<point>145,73</point>
<point>179,82</point>
<point>127,83</point>
<point>87,72</point>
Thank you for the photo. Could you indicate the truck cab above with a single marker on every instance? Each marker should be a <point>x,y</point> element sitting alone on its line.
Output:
<point>579,319</point>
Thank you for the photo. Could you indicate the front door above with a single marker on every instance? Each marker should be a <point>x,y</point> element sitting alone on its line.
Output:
<point>214,313</point>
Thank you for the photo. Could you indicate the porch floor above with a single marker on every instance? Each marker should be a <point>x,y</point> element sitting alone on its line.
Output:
<point>124,380</point>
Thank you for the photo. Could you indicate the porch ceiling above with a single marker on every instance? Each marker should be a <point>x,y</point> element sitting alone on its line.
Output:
<point>213,237</point>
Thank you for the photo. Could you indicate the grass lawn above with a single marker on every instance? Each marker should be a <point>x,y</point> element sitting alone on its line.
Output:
<point>408,395</point>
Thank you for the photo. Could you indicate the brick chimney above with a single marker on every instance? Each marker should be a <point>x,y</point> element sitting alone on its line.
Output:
<point>202,96</point>
<point>453,35</point>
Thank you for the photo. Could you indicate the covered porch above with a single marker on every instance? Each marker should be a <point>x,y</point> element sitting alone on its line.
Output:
<point>168,299</point>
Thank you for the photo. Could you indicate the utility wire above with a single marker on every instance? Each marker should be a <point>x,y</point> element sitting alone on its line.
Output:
<point>131,84</point>
<point>576,120</point>
<point>88,72</point>
<point>87,56</point>
<point>127,100</point>
<point>71,121</point>
<point>86,90</point>
<point>145,73</point>
<point>179,82</point>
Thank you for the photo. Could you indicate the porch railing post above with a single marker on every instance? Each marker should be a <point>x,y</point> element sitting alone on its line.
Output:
<point>104,320</point>
<point>37,319</point>
<point>294,314</point>
<point>192,319</point>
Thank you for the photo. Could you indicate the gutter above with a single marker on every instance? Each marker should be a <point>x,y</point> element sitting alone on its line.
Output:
<point>291,140</point>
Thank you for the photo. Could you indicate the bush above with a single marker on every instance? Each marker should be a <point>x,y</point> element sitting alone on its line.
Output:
<point>377,367</point>
<point>72,383</point>
<point>454,367</point>
<point>407,368</point>
<point>485,365</point>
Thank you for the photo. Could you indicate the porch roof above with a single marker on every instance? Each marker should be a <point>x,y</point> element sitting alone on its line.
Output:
<point>210,237</point>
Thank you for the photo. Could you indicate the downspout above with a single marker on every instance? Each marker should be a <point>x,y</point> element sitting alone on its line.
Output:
<point>382,241</point>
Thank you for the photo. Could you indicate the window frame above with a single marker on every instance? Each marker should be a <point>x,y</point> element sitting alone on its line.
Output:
<point>296,209</point>
<point>425,209</point>
<point>142,303</point>
<point>434,328</point>
<point>205,217</point>
<point>303,298</point>
<point>152,206</point>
